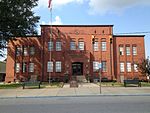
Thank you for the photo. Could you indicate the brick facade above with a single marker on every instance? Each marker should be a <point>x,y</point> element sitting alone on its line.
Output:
<point>66,63</point>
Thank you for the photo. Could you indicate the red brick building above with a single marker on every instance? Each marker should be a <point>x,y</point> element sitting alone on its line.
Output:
<point>73,52</point>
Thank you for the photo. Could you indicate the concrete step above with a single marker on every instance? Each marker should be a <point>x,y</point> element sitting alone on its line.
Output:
<point>81,78</point>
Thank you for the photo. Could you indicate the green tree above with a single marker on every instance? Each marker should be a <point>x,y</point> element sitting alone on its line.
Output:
<point>16,19</point>
<point>144,67</point>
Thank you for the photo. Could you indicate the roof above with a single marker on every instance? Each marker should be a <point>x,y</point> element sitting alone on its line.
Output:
<point>129,35</point>
<point>77,25</point>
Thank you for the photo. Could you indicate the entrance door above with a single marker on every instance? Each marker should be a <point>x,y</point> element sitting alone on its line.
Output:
<point>77,68</point>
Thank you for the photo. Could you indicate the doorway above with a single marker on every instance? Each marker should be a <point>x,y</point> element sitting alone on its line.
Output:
<point>77,68</point>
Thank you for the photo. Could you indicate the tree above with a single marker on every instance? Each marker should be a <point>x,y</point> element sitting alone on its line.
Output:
<point>144,67</point>
<point>16,19</point>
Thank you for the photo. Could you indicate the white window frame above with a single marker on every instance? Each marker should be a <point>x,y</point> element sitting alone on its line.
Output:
<point>104,66</point>
<point>103,46</point>
<point>18,51</point>
<point>50,66</point>
<point>128,66</point>
<point>128,50</point>
<point>95,46</point>
<point>72,45</point>
<point>17,70</point>
<point>50,46</point>
<point>135,68</point>
<point>81,45</point>
<point>31,67</point>
<point>58,45</point>
<point>122,67</point>
<point>134,50</point>
<point>25,51</point>
<point>95,66</point>
<point>58,66</point>
<point>32,50</point>
<point>121,50</point>
<point>24,67</point>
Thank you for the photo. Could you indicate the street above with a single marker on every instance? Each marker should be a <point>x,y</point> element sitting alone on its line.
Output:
<point>97,104</point>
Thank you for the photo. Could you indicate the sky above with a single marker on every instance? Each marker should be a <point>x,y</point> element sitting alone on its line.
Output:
<point>127,16</point>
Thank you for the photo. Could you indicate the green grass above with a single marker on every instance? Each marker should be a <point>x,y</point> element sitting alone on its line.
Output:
<point>10,86</point>
<point>111,84</point>
<point>145,84</point>
<point>116,84</point>
<point>53,84</point>
<point>43,85</point>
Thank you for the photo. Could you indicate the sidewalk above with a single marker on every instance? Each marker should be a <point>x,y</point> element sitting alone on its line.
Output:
<point>87,89</point>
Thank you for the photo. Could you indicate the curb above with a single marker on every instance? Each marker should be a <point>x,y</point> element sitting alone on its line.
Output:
<point>68,96</point>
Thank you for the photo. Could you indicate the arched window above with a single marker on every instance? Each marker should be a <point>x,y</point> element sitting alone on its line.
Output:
<point>50,45</point>
<point>81,44</point>
<point>103,44</point>
<point>72,44</point>
<point>95,45</point>
<point>58,45</point>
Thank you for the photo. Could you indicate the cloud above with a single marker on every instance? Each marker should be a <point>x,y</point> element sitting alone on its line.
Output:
<point>57,21</point>
<point>98,6</point>
<point>57,3</point>
<point>113,6</point>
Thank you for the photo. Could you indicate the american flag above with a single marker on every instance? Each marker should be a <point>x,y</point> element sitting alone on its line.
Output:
<point>49,3</point>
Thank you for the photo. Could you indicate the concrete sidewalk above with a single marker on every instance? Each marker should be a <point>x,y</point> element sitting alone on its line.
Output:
<point>87,89</point>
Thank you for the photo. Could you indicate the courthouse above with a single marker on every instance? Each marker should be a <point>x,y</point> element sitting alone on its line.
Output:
<point>81,52</point>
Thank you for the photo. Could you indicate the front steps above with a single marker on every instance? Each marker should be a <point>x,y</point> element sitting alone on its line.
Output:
<point>81,79</point>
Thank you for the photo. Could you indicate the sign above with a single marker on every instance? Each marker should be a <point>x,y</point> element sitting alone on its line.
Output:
<point>100,65</point>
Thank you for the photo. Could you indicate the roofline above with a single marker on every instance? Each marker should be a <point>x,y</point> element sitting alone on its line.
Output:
<point>30,36</point>
<point>77,25</point>
<point>128,35</point>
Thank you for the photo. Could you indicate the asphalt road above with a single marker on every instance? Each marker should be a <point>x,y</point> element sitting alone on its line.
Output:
<point>102,104</point>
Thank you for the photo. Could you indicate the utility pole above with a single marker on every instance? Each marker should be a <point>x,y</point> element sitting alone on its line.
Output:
<point>100,82</point>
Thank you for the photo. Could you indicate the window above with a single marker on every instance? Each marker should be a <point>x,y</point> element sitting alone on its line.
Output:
<point>81,45</point>
<point>104,66</point>
<point>49,66</point>
<point>127,50</point>
<point>95,66</point>
<point>134,50</point>
<point>128,67</point>
<point>58,46</point>
<point>121,67</point>
<point>58,66</point>
<point>17,67</point>
<point>72,45</point>
<point>95,46</point>
<point>24,67</point>
<point>18,51</point>
<point>32,50</point>
<point>135,68</point>
<point>103,46</point>
<point>121,51</point>
<point>31,67</point>
<point>25,51</point>
<point>50,46</point>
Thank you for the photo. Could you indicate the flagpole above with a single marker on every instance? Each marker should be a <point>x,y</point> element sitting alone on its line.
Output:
<point>51,37</point>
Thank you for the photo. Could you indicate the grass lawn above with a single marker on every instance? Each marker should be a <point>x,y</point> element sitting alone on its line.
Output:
<point>10,86</point>
<point>53,84</point>
<point>145,84</point>
<point>116,84</point>
<point>43,85</point>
